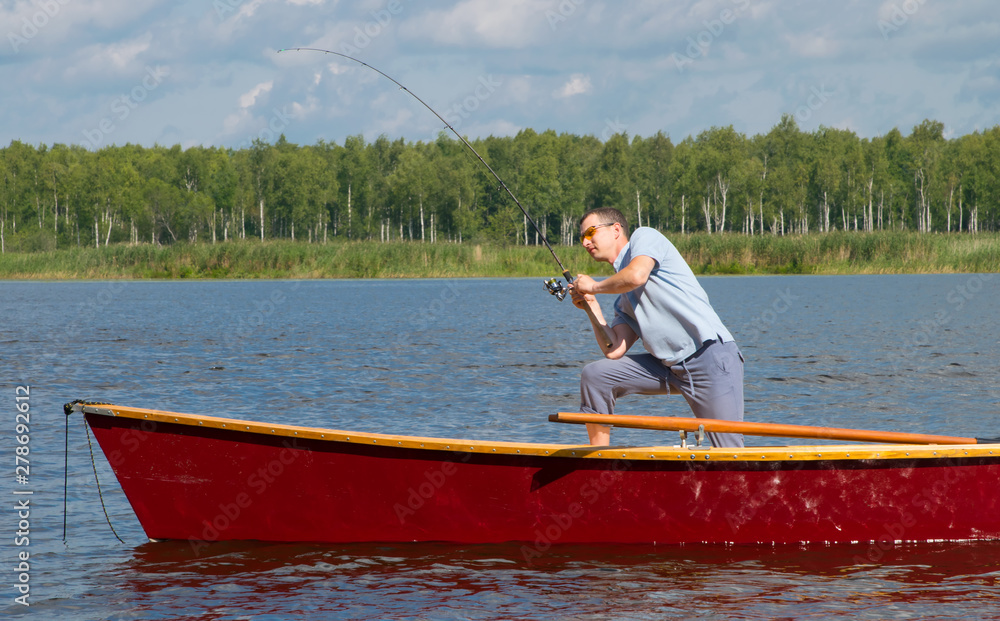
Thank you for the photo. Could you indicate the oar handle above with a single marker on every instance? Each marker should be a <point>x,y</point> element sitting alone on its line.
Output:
<point>672,423</point>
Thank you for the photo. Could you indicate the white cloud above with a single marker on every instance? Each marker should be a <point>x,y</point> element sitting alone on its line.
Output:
<point>242,118</point>
<point>493,127</point>
<point>235,121</point>
<point>983,83</point>
<point>249,98</point>
<point>487,23</point>
<point>243,11</point>
<point>603,61</point>
<point>336,68</point>
<point>812,45</point>
<point>122,55</point>
<point>519,89</point>
<point>402,119</point>
<point>898,12</point>
<point>110,61</point>
<point>578,84</point>
<point>301,111</point>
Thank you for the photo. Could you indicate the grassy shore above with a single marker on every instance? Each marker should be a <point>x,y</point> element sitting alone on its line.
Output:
<point>833,253</point>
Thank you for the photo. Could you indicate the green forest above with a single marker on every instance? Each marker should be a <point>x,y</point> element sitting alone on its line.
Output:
<point>786,181</point>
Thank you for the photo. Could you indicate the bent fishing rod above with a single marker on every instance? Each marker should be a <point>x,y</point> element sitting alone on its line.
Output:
<point>553,285</point>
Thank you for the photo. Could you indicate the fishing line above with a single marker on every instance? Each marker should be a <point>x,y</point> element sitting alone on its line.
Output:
<point>553,286</point>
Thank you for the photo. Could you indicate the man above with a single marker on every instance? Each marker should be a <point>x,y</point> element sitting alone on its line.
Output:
<point>660,301</point>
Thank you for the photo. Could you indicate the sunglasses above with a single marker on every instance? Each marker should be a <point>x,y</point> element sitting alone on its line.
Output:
<point>589,233</point>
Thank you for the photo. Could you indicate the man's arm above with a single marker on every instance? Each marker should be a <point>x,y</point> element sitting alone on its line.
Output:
<point>632,276</point>
<point>614,342</point>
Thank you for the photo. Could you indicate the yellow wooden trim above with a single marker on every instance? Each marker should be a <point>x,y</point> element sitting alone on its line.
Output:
<point>827,452</point>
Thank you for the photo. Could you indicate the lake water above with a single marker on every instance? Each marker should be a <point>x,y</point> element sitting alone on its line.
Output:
<point>489,360</point>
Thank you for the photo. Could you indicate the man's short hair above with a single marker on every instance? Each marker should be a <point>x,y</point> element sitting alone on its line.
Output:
<point>607,214</point>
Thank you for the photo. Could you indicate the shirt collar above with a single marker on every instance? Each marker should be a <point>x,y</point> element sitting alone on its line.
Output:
<point>621,256</point>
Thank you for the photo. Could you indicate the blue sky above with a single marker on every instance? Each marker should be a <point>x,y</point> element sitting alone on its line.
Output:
<point>100,72</point>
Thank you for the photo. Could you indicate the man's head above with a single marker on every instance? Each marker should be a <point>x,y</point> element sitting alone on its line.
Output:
<point>604,232</point>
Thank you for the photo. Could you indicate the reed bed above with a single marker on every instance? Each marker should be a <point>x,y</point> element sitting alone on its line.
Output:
<point>832,253</point>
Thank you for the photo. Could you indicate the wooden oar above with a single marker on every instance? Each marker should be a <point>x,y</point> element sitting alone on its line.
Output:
<point>673,423</point>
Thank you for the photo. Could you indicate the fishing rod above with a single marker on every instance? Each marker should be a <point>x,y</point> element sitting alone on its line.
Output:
<point>552,285</point>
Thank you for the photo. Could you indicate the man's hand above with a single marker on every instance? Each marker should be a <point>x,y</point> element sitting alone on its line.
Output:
<point>581,300</point>
<point>584,284</point>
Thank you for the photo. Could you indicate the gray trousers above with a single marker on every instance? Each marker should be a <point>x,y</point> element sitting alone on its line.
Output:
<point>711,381</point>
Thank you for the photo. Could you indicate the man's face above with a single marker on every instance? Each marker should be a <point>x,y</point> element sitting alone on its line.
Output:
<point>601,241</point>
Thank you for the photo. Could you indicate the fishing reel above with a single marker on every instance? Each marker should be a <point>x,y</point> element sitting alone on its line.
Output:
<point>556,288</point>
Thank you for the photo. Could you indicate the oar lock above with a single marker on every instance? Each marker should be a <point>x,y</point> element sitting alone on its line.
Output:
<point>699,437</point>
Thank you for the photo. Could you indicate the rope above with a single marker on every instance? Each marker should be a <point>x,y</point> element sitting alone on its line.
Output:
<point>99,494</point>
<point>68,410</point>
<point>65,476</point>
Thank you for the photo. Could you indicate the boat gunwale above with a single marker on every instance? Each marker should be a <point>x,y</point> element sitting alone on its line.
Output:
<point>788,453</point>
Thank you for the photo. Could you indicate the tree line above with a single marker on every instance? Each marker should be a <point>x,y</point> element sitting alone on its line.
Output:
<point>786,181</point>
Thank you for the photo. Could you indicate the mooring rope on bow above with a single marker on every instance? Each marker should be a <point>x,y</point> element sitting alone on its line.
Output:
<point>68,409</point>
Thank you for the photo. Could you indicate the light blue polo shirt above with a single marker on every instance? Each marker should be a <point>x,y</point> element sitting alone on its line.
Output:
<point>671,312</point>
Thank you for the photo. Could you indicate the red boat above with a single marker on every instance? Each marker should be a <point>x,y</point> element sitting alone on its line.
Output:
<point>204,479</point>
